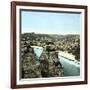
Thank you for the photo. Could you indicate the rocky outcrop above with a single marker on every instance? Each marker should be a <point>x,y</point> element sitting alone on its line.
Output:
<point>30,66</point>
<point>46,66</point>
<point>51,67</point>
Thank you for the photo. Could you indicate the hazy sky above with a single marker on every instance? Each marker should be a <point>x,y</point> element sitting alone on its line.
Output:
<point>49,22</point>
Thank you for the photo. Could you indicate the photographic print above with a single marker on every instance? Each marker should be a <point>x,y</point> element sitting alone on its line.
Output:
<point>49,44</point>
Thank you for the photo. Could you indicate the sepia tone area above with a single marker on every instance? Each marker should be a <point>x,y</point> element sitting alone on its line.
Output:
<point>49,55</point>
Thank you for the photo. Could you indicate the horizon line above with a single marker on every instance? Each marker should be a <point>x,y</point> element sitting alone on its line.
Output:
<point>54,33</point>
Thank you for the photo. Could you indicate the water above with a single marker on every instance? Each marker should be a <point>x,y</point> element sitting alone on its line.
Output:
<point>70,67</point>
<point>38,50</point>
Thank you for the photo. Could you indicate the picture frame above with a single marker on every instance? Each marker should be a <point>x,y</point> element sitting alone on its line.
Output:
<point>47,16</point>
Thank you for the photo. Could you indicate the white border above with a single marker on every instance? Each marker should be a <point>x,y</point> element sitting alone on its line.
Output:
<point>55,79</point>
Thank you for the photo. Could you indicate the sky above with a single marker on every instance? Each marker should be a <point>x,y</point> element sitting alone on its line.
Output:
<point>50,22</point>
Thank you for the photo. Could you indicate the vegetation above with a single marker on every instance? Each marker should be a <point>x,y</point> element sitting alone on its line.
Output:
<point>68,43</point>
<point>48,65</point>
